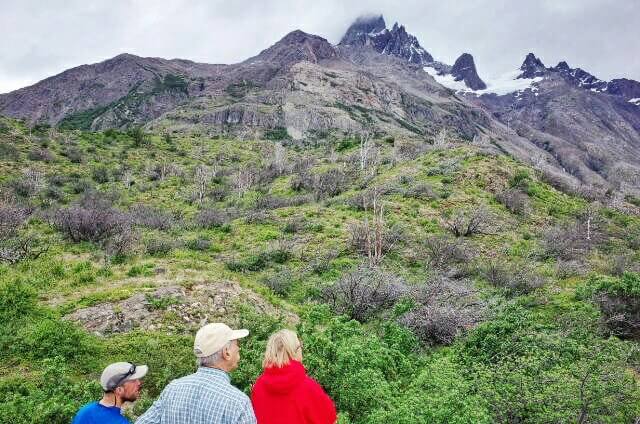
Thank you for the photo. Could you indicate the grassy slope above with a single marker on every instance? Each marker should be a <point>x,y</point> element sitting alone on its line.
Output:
<point>71,276</point>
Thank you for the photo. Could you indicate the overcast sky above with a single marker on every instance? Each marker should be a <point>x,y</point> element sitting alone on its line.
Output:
<point>42,38</point>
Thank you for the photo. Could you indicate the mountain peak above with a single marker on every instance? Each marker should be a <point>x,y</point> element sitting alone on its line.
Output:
<point>295,47</point>
<point>464,69</point>
<point>372,31</point>
<point>532,67</point>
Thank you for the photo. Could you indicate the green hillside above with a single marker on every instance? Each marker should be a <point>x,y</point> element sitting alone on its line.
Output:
<point>446,284</point>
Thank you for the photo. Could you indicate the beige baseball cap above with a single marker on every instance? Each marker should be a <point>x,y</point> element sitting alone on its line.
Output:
<point>116,374</point>
<point>212,337</point>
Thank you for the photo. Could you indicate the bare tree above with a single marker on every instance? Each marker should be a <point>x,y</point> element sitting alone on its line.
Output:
<point>441,138</point>
<point>243,179</point>
<point>202,176</point>
<point>372,237</point>
<point>280,158</point>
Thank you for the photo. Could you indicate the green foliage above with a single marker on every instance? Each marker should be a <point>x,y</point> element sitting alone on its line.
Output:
<point>82,120</point>
<point>279,133</point>
<point>51,395</point>
<point>17,301</point>
<point>627,285</point>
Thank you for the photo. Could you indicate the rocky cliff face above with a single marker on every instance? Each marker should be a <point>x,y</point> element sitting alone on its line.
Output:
<point>560,118</point>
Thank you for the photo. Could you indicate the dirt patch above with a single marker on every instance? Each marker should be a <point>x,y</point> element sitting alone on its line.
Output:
<point>175,309</point>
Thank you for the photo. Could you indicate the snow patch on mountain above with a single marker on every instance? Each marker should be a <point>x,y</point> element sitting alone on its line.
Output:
<point>500,85</point>
<point>635,101</point>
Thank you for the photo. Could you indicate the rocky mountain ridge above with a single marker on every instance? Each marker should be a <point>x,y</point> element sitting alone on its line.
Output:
<point>562,119</point>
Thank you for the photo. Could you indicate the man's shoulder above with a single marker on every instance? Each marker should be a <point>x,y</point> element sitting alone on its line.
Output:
<point>93,413</point>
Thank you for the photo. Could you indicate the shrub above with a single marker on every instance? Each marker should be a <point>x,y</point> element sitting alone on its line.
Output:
<point>150,217</point>
<point>362,293</point>
<point>101,174</point>
<point>568,241</point>
<point>159,245</point>
<point>212,218</point>
<point>325,184</point>
<point>97,223</point>
<point>467,222</point>
<point>17,301</point>
<point>42,155</point>
<point>422,191</point>
<point>198,244</point>
<point>514,200</point>
<point>516,279</point>
<point>52,337</point>
<point>362,237</point>
<point>619,302</point>
<point>138,136</point>
<point>445,310</point>
<point>442,252</point>
<point>520,180</point>
<point>280,283</point>
<point>74,154</point>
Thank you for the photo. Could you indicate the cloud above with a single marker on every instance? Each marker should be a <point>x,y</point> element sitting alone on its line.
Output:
<point>42,38</point>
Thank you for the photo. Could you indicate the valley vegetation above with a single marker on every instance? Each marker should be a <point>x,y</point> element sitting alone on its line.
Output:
<point>442,283</point>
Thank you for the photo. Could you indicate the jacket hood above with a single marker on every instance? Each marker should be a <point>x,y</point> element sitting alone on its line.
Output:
<point>283,380</point>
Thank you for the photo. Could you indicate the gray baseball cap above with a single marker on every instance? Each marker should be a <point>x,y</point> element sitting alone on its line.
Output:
<point>118,373</point>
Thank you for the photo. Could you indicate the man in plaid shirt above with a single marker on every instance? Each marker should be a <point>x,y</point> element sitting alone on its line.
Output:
<point>206,396</point>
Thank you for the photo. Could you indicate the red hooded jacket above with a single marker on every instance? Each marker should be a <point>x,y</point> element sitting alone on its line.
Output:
<point>288,395</point>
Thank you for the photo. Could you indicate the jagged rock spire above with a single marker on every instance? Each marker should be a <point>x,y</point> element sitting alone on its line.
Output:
<point>397,42</point>
<point>363,27</point>
<point>464,69</point>
<point>532,67</point>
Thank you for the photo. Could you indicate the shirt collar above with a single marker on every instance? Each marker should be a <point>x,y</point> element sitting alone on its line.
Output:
<point>215,373</point>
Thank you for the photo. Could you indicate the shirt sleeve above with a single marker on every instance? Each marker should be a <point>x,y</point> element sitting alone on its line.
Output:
<point>154,413</point>
<point>246,416</point>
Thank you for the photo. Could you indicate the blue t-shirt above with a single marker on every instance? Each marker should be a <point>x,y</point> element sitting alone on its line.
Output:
<point>95,413</point>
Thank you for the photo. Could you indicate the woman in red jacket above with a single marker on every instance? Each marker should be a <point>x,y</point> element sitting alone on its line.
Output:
<point>284,393</point>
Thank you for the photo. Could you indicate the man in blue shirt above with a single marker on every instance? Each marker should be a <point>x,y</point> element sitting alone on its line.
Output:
<point>207,396</point>
<point>121,383</point>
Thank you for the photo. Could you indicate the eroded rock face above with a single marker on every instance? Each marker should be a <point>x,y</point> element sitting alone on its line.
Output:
<point>173,309</point>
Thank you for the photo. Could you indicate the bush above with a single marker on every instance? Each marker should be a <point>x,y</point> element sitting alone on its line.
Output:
<point>442,252</point>
<point>363,237</point>
<point>280,283</point>
<point>514,200</point>
<point>17,301</point>
<point>467,222</point>
<point>74,155</point>
<point>42,155</point>
<point>325,184</point>
<point>101,175</point>
<point>445,310</point>
<point>150,217</point>
<point>212,218</point>
<point>619,302</point>
<point>52,337</point>
<point>97,223</point>
<point>199,244</point>
<point>567,241</point>
<point>421,191</point>
<point>362,293</point>
<point>516,279</point>
<point>159,245</point>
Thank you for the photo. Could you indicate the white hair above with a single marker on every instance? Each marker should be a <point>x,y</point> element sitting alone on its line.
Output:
<point>214,358</point>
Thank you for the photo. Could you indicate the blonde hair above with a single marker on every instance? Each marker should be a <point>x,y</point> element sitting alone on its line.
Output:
<point>282,347</point>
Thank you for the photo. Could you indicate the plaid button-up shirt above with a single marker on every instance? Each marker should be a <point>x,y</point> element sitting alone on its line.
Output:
<point>206,397</point>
